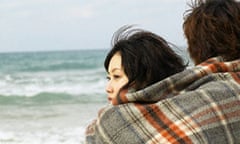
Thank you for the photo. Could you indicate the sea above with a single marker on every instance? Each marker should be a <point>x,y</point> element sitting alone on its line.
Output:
<point>50,97</point>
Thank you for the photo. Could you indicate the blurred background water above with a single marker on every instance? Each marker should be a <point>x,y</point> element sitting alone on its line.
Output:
<point>49,97</point>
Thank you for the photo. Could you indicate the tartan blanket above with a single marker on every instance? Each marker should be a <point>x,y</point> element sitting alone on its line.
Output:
<point>199,105</point>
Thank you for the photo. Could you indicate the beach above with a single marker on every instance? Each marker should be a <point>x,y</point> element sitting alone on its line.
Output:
<point>53,124</point>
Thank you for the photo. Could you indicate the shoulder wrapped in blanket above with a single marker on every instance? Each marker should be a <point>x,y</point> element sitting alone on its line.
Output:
<point>199,105</point>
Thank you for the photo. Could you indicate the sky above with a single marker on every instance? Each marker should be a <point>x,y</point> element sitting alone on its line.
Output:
<point>46,25</point>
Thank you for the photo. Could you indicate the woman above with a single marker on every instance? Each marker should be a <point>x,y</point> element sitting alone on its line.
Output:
<point>138,59</point>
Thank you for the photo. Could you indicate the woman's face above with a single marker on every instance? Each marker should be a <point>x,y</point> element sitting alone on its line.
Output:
<point>116,76</point>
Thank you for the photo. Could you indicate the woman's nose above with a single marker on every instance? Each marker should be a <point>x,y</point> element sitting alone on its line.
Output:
<point>109,88</point>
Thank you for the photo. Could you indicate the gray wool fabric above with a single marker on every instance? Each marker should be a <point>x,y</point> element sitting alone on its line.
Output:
<point>199,105</point>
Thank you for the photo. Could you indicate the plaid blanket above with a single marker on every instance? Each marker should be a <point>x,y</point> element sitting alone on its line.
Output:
<point>199,105</point>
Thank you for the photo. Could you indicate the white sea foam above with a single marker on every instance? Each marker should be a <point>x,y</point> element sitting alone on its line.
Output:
<point>69,82</point>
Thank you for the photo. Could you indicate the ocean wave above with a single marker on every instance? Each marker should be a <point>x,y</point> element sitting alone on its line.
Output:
<point>46,98</point>
<point>70,82</point>
<point>52,77</point>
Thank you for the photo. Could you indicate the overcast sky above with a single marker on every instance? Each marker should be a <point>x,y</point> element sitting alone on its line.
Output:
<point>37,25</point>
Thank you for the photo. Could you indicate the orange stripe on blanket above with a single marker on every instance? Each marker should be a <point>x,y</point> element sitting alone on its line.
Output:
<point>209,61</point>
<point>121,98</point>
<point>173,134</point>
<point>218,67</point>
<point>216,120</point>
<point>212,113</point>
<point>236,77</point>
<point>224,67</point>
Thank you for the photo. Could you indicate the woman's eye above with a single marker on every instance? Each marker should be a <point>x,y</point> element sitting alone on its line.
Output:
<point>113,77</point>
<point>108,78</point>
<point>116,76</point>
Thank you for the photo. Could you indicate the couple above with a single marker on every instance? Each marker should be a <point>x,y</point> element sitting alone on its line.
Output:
<point>154,99</point>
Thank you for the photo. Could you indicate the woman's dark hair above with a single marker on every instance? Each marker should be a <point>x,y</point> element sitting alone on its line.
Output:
<point>212,28</point>
<point>146,57</point>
